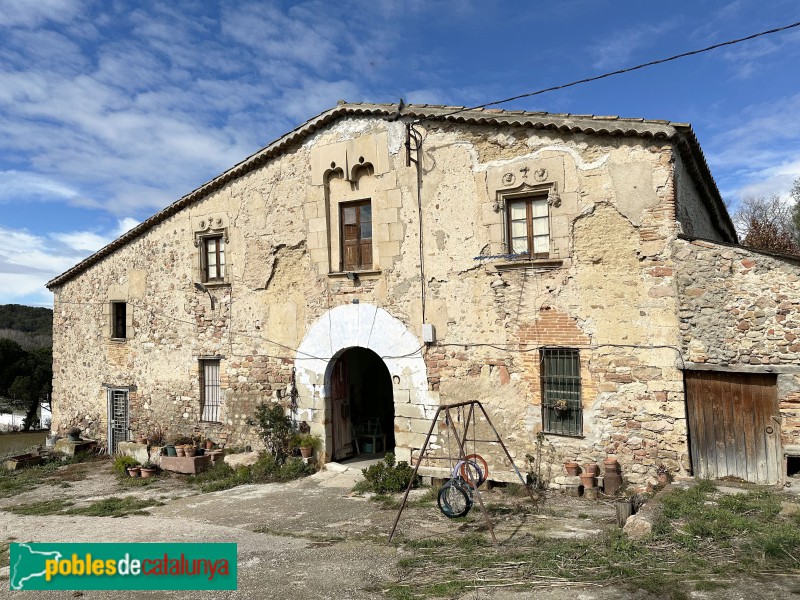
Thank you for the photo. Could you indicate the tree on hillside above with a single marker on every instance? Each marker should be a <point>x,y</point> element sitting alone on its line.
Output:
<point>769,224</point>
<point>26,378</point>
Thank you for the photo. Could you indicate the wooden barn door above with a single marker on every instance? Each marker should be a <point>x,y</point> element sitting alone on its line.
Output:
<point>734,425</point>
<point>340,411</point>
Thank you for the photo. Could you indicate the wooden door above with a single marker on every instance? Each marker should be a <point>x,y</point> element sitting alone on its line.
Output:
<point>734,425</point>
<point>340,411</point>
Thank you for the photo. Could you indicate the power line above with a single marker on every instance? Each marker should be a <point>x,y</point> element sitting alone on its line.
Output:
<point>626,70</point>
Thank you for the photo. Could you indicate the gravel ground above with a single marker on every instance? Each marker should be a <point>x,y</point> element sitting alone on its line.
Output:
<point>311,538</point>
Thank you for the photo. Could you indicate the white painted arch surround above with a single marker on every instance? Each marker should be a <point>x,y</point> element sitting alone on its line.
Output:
<point>362,325</point>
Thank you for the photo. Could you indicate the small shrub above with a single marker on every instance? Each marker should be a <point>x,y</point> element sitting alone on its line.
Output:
<point>275,428</point>
<point>386,477</point>
<point>264,469</point>
<point>122,463</point>
<point>295,468</point>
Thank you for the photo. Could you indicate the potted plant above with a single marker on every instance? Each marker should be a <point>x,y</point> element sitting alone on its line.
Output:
<point>307,443</point>
<point>74,434</point>
<point>134,471</point>
<point>190,449</point>
<point>560,405</point>
<point>148,469</point>
<point>663,475</point>
<point>141,439</point>
<point>209,444</point>
<point>572,468</point>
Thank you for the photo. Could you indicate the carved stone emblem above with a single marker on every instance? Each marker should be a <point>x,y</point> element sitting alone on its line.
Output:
<point>553,199</point>
<point>509,178</point>
<point>540,174</point>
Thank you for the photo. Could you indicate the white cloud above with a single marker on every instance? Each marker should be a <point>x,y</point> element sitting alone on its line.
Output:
<point>28,261</point>
<point>32,14</point>
<point>759,152</point>
<point>16,186</point>
<point>617,50</point>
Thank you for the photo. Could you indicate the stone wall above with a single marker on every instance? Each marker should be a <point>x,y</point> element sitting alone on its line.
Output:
<point>608,289</point>
<point>740,309</point>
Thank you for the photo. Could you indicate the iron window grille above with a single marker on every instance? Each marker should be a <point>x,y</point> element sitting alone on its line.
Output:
<point>209,391</point>
<point>562,412</point>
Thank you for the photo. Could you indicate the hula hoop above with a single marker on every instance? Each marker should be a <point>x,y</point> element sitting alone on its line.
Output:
<point>482,469</point>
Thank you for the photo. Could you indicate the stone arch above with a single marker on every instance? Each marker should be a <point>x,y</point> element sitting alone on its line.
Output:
<point>364,325</point>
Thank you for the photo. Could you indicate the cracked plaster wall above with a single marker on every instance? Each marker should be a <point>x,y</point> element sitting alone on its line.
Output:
<point>612,294</point>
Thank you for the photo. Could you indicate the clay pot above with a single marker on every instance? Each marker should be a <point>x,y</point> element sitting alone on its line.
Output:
<point>572,468</point>
<point>180,451</point>
<point>141,440</point>
<point>610,464</point>
<point>663,478</point>
<point>587,480</point>
<point>190,450</point>
<point>147,473</point>
<point>209,445</point>
<point>592,469</point>
<point>306,451</point>
<point>134,471</point>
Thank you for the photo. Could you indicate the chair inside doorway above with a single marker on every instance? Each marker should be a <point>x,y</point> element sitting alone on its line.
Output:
<point>362,404</point>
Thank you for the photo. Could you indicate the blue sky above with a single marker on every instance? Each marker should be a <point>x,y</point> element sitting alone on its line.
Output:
<point>111,110</point>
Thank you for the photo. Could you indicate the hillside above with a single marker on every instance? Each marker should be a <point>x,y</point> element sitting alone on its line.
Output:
<point>31,327</point>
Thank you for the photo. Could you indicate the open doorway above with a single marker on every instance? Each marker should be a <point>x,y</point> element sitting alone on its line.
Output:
<point>362,404</point>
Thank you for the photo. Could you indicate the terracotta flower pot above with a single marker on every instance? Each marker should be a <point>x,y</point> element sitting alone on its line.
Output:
<point>147,473</point>
<point>663,478</point>
<point>572,468</point>
<point>209,445</point>
<point>134,471</point>
<point>306,451</point>
<point>180,451</point>
<point>141,440</point>
<point>190,450</point>
<point>587,480</point>
<point>592,469</point>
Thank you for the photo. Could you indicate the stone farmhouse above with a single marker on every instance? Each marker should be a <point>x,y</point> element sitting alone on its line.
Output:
<point>579,275</point>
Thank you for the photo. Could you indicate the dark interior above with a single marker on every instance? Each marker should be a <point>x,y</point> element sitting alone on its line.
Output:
<point>370,390</point>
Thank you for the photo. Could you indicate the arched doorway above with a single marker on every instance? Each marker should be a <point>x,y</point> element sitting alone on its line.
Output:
<point>362,403</point>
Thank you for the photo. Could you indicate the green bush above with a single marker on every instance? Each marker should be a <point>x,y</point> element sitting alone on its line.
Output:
<point>295,468</point>
<point>275,428</point>
<point>264,469</point>
<point>122,463</point>
<point>386,477</point>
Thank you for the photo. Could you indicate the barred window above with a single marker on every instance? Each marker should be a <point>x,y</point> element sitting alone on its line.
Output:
<point>562,412</point>
<point>209,390</point>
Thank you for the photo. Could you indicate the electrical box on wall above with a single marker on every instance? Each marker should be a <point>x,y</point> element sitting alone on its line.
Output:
<point>428,333</point>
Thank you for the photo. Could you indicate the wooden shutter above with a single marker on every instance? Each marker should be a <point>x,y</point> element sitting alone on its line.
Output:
<point>365,235</point>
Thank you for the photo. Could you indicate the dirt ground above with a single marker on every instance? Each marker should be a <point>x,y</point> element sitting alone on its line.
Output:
<point>312,538</point>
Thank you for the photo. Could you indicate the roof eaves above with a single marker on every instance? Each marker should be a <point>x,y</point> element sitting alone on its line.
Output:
<point>562,122</point>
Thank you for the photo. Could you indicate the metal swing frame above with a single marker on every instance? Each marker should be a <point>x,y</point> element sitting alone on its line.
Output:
<point>461,440</point>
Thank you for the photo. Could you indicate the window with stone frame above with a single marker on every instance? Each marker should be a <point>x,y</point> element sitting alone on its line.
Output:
<point>213,258</point>
<point>210,393</point>
<point>356,235</point>
<point>562,411</point>
<point>528,226</point>
<point>119,320</point>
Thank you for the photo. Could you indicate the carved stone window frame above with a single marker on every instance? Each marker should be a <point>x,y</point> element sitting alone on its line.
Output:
<point>207,228</point>
<point>523,191</point>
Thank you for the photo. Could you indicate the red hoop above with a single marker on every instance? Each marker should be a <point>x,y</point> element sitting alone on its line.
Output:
<point>465,474</point>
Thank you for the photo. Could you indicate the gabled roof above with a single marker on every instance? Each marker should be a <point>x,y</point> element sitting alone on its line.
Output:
<point>679,133</point>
